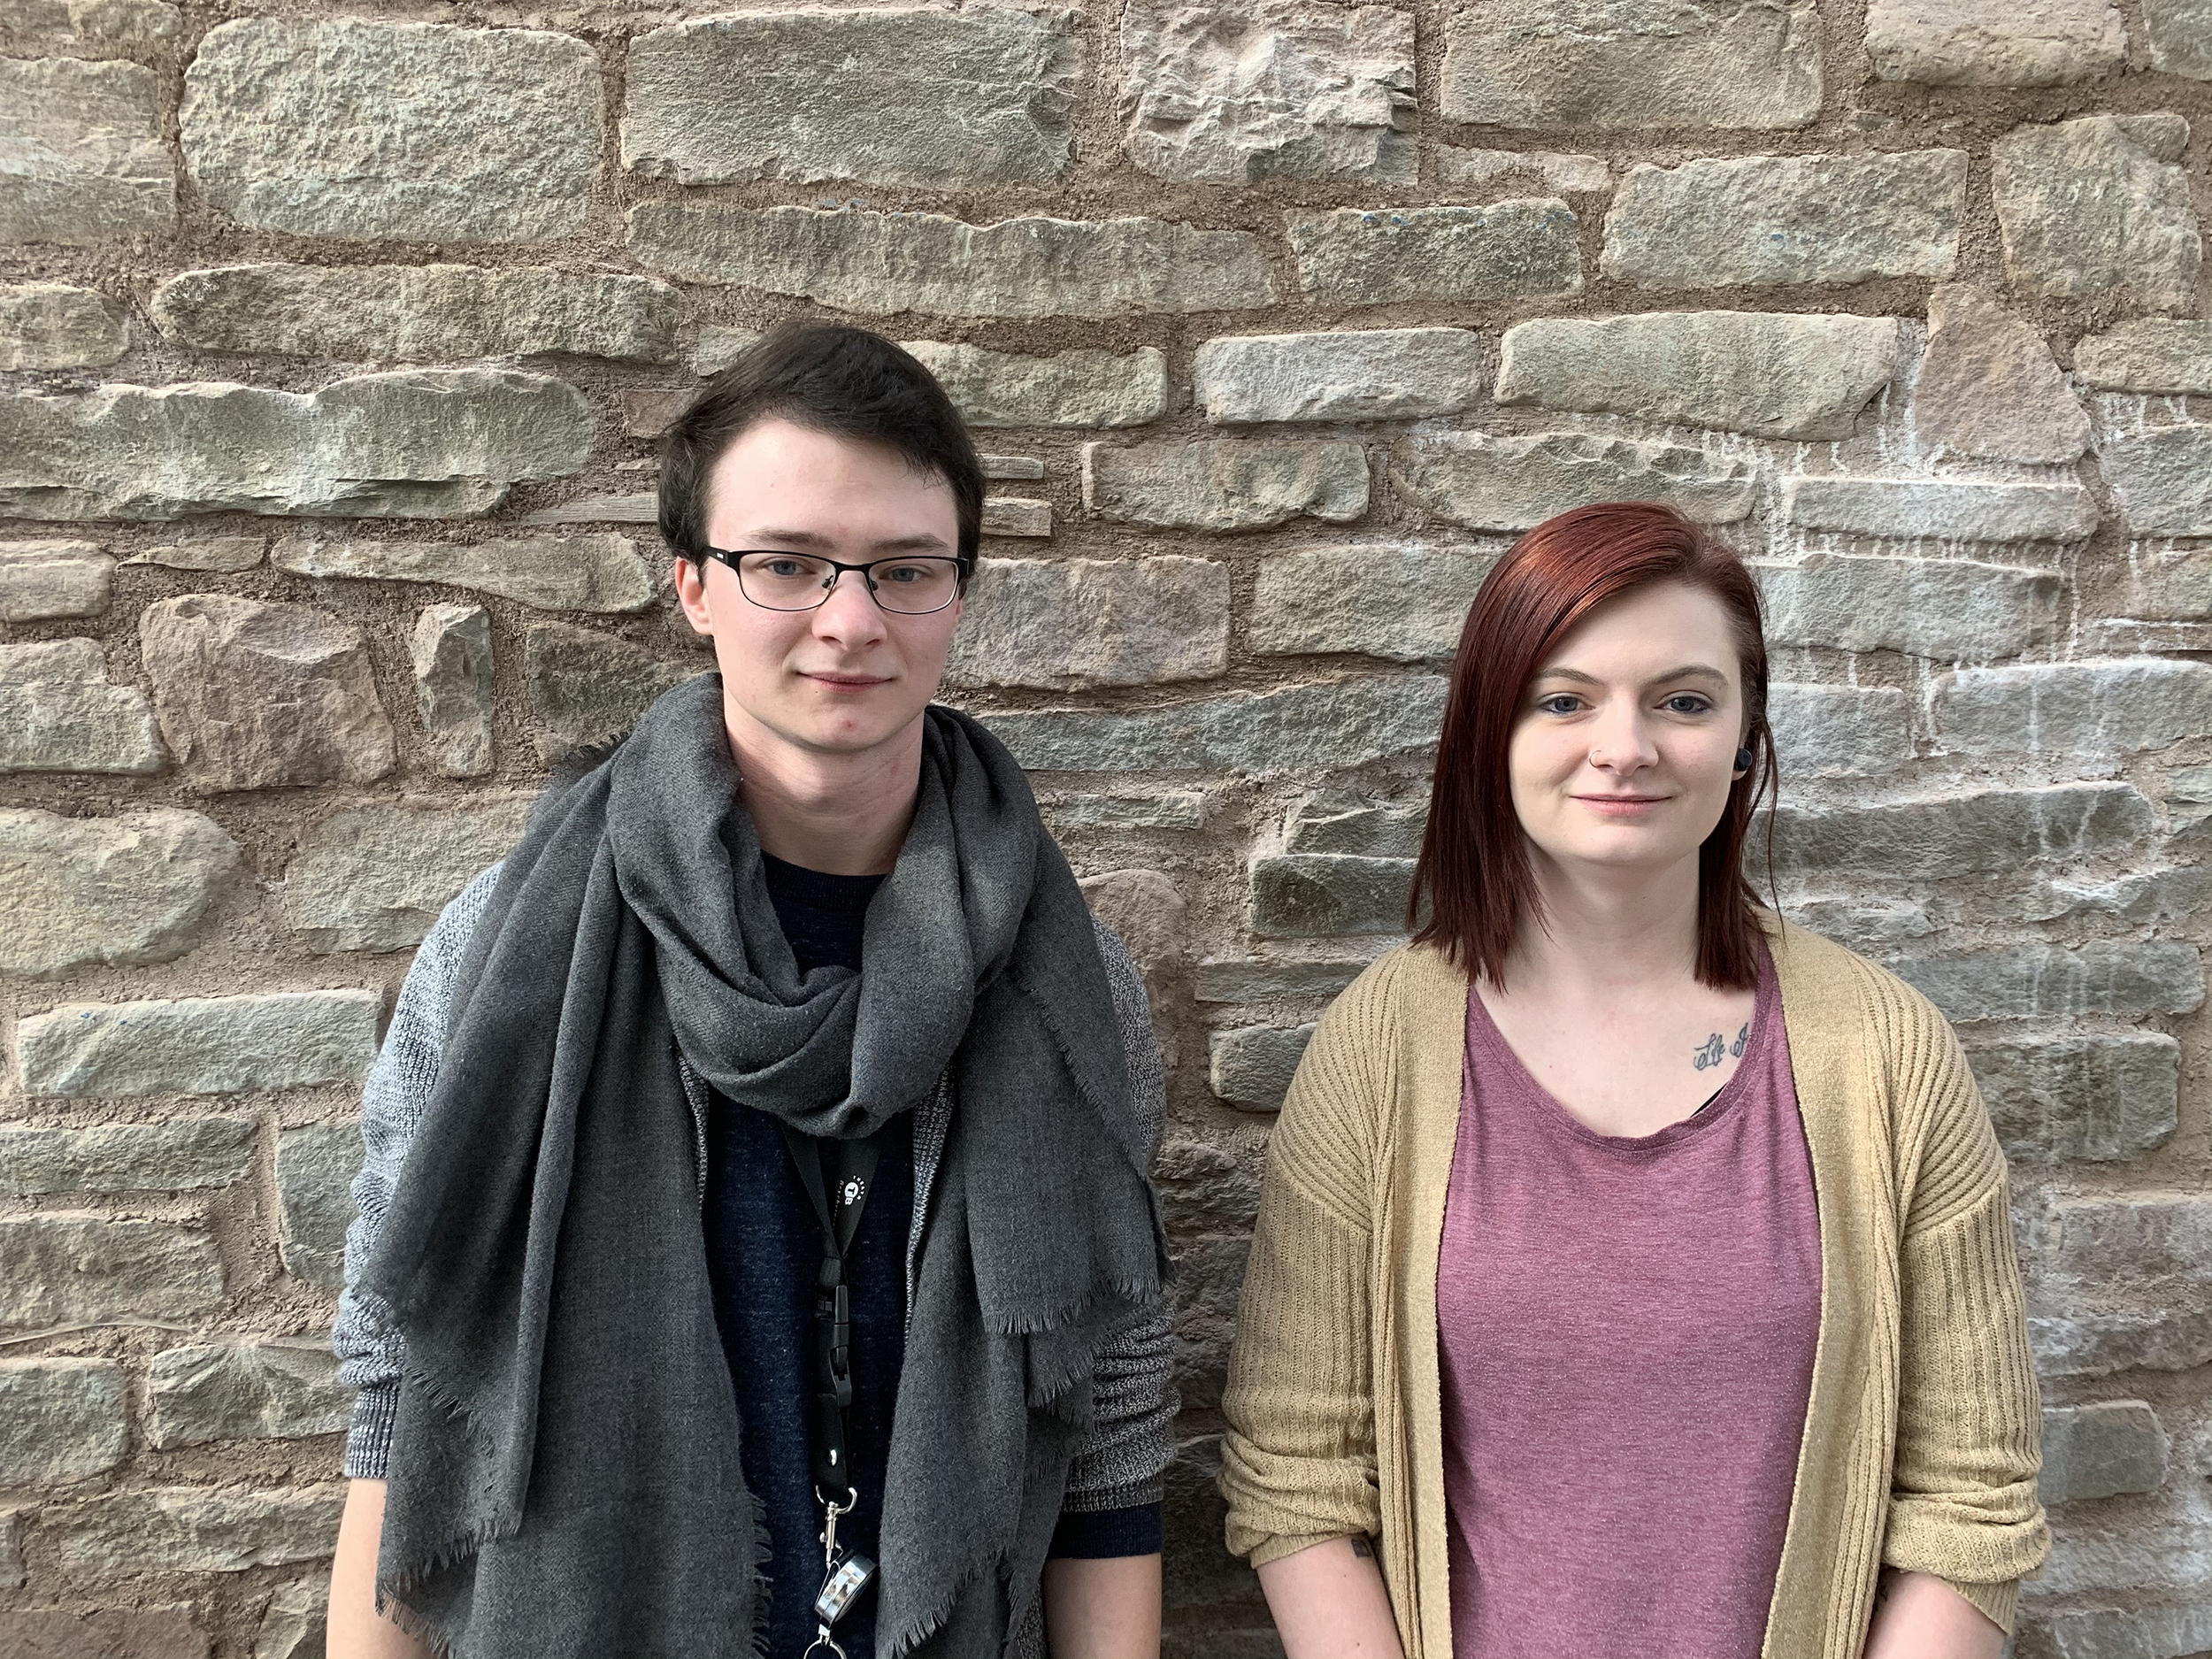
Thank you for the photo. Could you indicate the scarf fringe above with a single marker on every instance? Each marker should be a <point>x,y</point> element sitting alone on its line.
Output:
<point>451,1549</point>
<point>919,1629</point>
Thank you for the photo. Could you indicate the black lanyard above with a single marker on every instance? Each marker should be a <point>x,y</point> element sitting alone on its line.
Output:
<point>837,1207</point>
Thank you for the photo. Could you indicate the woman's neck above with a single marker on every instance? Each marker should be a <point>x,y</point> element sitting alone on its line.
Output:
<point>1605,928</point>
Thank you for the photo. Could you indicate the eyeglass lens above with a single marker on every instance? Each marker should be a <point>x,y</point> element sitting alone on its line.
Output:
<point>793,581</point>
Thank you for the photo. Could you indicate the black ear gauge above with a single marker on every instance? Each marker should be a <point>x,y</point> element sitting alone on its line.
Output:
<point>1743,759</point>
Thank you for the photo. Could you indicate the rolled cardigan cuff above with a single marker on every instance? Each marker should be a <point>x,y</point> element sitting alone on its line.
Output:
<point>1275,1549</point>
<point>369,1440</point>
<point>2000,1603</point>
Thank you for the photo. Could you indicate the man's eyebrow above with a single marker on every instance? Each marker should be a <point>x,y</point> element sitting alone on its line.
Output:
<point>922,541</point>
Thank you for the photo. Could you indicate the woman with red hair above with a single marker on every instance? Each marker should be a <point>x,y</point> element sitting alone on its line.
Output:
<point>1634,1274</point>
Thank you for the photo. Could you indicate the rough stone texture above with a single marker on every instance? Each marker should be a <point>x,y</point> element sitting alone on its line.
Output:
<point>1252,1068</point>
<point>2098,202</point>
<point>2102,1450</point>
<point>375,879</point>
<point>315,1168</point>
<point>1839,730</point>
<point>195,1529</point>
<point>1588,63</point>
<point>588,687</point>
<point>382,132</point>
<point>1995,42</point>
<point>1145,912</point>
<point>2171,583</point>
<point>1565,174</point>
<point>1335,823</point>
<point>862,261</point>
<point>252,694</point>
<point>2100,1097</point>
<point>153,1632</point>
<point>1766,220</point>
<point>450,650</point>
<point>417,313</point>
<point>82,158</point>
<point>141,22</point>
<point>1960,834</point>
<point>2109,708</point>
<point>1945,509</point>
<point>641,507</point>
<point>60,1419</point>
<point>1070,388</point>
<point>294,1627</point>
<point>53,326</point>
<point>1485,483</point>
<point>2162,478</point>
<point>1307,895</point>
<point>61,1269</point>
<point>1988,385</point>
<point>549,572</point>
<point>1070,623</point>
<point>42,580</point>
<point>896,96</point>
<point>1404,603</point>
<point>1219,94</point>
<point>214,1045</point>
<point>12,1573</point>
<point>1344,723</point>
<point>2180,36</point>
<point>244,1391</point>
<point>415,443</point>
<point>219,555</point>
<point>174,1156</point>
<point>2153,1633</point>
<point>2176,893</point>
<point>2148,354</point>
<point>1176,810</point>
<point>1226,483</point>
<point>1251,980</point>
<point>1951,609</point>
<point>58,712</point>
<point>116,891</point>
<point>1775,376</point>
<point>2040,981</point>
<point>1372,374</point>
<point>1382,256</point>
<point>1013,516</point>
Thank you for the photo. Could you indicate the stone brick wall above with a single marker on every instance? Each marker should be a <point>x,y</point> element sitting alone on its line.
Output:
<point>330,350</point>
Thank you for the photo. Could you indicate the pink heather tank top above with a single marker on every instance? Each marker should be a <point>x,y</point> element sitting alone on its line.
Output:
<point>1626,1329</point>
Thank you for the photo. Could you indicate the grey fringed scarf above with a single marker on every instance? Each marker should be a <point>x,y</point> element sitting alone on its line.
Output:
<point>564,1475</point>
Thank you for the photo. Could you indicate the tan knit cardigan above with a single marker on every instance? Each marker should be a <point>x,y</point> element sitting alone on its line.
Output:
<point>1920,1444</point>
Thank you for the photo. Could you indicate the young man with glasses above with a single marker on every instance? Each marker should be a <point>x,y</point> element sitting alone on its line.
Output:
<point>756,1249</point>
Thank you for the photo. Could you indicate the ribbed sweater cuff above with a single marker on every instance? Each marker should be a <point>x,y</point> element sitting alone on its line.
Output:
<point>1998,1602</point>
<point>1130,1495</point>
<point>369,1440</point>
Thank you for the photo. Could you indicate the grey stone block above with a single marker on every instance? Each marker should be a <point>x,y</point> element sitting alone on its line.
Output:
<point>244,1391</point>
<point>1370,374</point>
<point>2101,1097</point>
<point>1839,730</point>
<point>1319,895</point>
<point>2080,709</point>
<point>2161,478</point>
<point>58,712</point>
<point>1766,220</point>
<point>1485,483</point>
<point>858,260</point>
<point>1940,509</point>
<point>376,879</point>
<point>412,132</point>
<point>1403,604</point>
<point>194,1529</point>
<point>294,1627</point>
<point>2171,582</point>
<point>2042,981</point>
<point>639,507</point>
<point>1014,515</point>
<point>12,1573</point>
<point>451,649</point>
<point>60,1419</point>
<point>1226,483</point>
<point>1251,1068</point>
<point>1564,174</point>
<point>898,95</point>
<point>1950,610</point>
<point>1254,980</point>
<point>207,1045</point>
<point>2152,1242</point>
<point>433,314</point>
<point>82,158</point>
<point>1383,256</point>
<point>1346,824</point>
<point>251,695</point>
<point>53,326</point>
<point>1313,727</point>
<point>413,444</point>
<point>2098,202</point>
<point>1988,385</point>
<point>315,1168</point>
<point>146,1632</point>
<point>1873,927</point>
<point>2179,892</point>
<point>2148,354</point>
<point>1176,810</point>
<point>60,1269</point>
<point>1955,834</point>
<point>1641,63</point>
<point>219,555</point>
<point>1335,100</point>
<point>1069,388</point>
<point>41,582</point>
<point>177,1156</point>
<point>2101,1451</point>
<point>1995,42</point>
<point>141,22</point>
<point>1146,913</point>
<point>588,687</point>
<point>2171,1632</point>
<point>549,572</point>
<point>1773,374</point>
<point>1024,467</point>
<point>1073,623</point>
<point>2180,36</point>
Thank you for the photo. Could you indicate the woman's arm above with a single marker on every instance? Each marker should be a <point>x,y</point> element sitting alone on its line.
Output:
<point>1106,1608</point>
<point>1917,1616</point>
<point>1328,1602</point>
<point>357,1630</point>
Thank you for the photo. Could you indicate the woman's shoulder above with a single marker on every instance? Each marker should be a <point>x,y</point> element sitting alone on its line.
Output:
<point>1823,982</point>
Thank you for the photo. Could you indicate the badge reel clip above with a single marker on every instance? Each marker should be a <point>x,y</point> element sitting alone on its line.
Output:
<point>843,1582</point>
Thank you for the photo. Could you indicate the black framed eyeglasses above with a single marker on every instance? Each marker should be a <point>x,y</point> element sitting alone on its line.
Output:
<point>910,585</point>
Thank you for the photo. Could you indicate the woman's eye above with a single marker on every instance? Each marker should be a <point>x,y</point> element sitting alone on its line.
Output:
<point>1562,703</point>
<point>1688,702</point>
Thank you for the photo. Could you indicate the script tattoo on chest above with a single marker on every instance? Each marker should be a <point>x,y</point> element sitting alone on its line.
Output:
<point>1716,1048</point>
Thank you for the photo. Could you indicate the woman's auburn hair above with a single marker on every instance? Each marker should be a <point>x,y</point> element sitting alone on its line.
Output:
<point>1474,879</point>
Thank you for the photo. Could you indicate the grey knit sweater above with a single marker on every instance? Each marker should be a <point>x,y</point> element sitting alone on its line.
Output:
<point>1131,1441</point>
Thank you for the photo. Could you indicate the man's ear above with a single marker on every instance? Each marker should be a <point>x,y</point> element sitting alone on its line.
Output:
<point>691,593</point>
